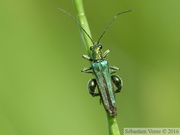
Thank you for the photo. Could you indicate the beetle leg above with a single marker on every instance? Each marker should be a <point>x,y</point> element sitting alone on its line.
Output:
<point>117,81</point>
<point>87,70</point>
<point>92,86</point>
<point>113,69</point>
<point>106,53</point>
<point>87,57</point>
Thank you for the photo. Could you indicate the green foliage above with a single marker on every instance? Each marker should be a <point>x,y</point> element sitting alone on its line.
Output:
<point>42,91</point>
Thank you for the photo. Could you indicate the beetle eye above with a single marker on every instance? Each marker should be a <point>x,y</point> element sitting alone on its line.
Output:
<point>91,47</point>
<point>100,46</point>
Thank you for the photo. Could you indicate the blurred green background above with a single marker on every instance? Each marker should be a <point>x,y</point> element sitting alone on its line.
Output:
<point>43,92</point>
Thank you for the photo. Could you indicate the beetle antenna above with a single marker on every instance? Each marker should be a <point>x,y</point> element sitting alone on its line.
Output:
<point>111,23</point>
<point>77,24</point>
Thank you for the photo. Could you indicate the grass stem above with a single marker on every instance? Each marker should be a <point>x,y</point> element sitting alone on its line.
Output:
<point>84,23</point>
<point>112,123</point>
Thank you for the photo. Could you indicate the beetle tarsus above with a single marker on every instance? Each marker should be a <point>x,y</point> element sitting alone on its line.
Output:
<point>113,69</point>
<point>87,70</point>
<point>87,57</point>
<point>106,53</point>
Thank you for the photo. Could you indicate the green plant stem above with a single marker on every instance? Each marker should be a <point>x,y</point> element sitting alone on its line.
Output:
<point>84,23</point>
<point>112,123</point>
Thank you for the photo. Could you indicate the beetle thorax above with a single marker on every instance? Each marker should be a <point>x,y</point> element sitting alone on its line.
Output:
<point>96,52</point>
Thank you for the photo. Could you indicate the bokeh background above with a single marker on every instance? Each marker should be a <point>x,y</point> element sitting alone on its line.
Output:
<point>43,92</point>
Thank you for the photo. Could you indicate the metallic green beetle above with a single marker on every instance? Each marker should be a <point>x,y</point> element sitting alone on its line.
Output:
<point>104,81</point>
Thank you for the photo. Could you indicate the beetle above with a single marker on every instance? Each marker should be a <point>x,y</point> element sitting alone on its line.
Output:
<point>104,79</point>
